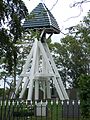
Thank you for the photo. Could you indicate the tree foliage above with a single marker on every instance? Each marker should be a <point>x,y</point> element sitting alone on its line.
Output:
<point>84,93</point>
<point>12,12</point>
<point>72,54</point>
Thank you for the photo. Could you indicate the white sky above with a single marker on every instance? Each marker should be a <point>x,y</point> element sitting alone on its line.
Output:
<point>62,12</point>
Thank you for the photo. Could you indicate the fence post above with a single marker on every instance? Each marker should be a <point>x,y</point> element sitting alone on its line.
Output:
<point>56,109</point>
<point>4,110</point>
<point>1,108</point>
<point>51,108</point>
<point>62,102</point>
<point>67,109</point>
<point>46,109</point>
<point>8,115</point>
<point>78,109</point>
<point>13,105</point>
<point>73,108</point>
<point>31,105</point>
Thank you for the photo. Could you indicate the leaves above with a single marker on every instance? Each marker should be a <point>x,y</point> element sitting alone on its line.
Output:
<point>73,51</point>
<point>84,93</point>
<point>12,12</point>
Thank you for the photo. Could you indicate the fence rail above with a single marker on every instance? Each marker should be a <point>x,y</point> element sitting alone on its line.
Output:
<point>39,110</point>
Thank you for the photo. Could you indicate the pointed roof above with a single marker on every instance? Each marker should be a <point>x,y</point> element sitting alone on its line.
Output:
<point>41,18</point>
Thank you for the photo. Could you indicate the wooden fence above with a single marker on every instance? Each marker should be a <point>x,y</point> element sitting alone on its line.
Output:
<point>39,110</point>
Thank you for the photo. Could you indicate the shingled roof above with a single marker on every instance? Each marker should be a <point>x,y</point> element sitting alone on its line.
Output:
<point>41,18</point>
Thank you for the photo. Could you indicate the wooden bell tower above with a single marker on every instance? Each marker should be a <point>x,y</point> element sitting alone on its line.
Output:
<point>40,69</point>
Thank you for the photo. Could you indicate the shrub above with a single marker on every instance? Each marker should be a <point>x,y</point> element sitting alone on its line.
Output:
<point>84,90</point>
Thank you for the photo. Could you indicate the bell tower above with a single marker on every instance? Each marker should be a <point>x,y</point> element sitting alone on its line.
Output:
<point>39,69</point>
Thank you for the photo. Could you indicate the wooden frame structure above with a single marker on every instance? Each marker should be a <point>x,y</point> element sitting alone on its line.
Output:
<point>40,68</point>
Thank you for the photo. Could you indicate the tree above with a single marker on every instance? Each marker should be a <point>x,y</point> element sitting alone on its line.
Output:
<point>12,12</point>
<point>69,59</point>
<point>79,3</point>
<point>24,47</point>
<point>73,51</point>
<point>84,93</point>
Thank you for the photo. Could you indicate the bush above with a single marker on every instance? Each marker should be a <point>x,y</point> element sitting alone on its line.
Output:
<point>84,90</point>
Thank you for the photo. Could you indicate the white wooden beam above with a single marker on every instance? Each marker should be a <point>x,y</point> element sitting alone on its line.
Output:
<point>27,64</point>
<point>56,72</point>
<point>40,52</point>
<point>26,81</point>
<point>36,90</point>
<point>48,88</point>
<point>30,91</point>
<point>18,85</point>
<point>37,71</point>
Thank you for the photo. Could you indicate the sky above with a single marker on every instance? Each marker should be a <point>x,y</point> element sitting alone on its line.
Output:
<point>63,13</point>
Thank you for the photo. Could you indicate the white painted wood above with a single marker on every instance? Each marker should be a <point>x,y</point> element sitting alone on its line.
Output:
<point>44,81</point>
<point>62,88</point>
<point>18,85</point>
<point>26,80</point>
<point>41,71</point>
<point>48,88</point>
<point>43,65</point>
<point>36,90</point>
<point>45,56</point>
<point>43,75</point>
<point>51,59</point>
<point>32,71</point>
<point>30,91</point>
<point>56,72</point>
<point>36,71</point>
<point>58,89</point>
<point>44,89</point>
<point>49,67</point>
<point>26,65</point>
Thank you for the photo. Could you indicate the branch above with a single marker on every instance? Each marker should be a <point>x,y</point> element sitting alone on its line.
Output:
<point>54,5</point>
<point>63,33</point>
<point>81,10</point>
<point>79,3</point>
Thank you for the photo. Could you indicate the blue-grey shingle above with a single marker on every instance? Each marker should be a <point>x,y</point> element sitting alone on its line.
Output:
<point>40,18</point>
